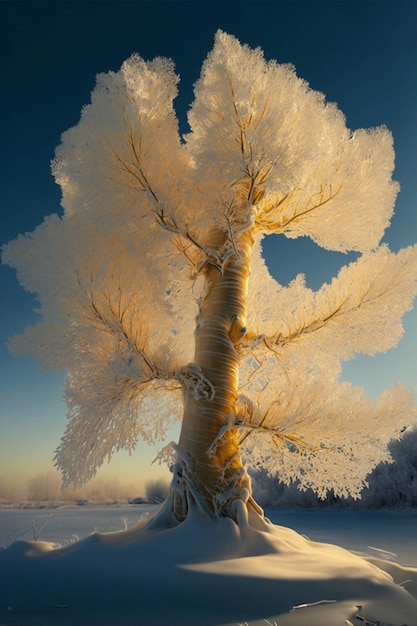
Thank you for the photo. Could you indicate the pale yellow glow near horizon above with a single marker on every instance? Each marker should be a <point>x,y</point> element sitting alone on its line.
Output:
<point>124,476</point>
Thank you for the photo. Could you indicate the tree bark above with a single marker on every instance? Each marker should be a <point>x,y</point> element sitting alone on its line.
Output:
<point>214,474</point>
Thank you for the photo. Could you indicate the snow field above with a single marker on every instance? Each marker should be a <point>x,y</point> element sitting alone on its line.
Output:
<point>205,574</point>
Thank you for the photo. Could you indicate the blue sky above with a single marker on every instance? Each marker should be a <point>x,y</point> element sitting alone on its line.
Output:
<point>362,55</point>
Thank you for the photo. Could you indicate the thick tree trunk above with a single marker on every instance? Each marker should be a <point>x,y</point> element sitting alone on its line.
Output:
<point>212,474</point>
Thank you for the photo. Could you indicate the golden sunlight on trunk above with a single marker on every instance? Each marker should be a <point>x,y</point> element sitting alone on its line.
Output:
<point>217,471</point>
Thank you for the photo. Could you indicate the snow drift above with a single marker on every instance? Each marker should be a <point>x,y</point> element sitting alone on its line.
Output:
<point>202,573</point>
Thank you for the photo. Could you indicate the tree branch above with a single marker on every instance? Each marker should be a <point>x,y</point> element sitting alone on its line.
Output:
<point>266,222</point>
<point>163,216</point>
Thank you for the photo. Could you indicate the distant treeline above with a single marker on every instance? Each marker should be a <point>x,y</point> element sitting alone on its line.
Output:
<point>45,486</point>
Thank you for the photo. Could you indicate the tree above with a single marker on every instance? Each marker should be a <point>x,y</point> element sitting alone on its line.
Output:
<point>161,236</point>
<point>156,491</point>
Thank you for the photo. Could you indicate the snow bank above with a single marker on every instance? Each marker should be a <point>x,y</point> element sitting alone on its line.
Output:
<point>201,573</point>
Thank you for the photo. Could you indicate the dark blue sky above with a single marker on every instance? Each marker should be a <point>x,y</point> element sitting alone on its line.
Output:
<point>362,55</point>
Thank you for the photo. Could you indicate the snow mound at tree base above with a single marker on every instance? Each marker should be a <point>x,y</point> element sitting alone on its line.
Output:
<point>202,573</point>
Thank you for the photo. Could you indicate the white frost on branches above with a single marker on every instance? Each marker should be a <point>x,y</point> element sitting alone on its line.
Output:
<point>346,433</point>
<point>260,132</point>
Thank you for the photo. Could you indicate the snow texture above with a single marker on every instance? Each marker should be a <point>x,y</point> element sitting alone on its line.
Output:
<point>202,572</point>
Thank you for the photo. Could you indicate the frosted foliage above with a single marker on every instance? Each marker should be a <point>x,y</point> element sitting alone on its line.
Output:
<point>268,302</point>
<point>246,116</point>
<point>351,185</point>
<point>123,412</point>
<point>260,134</point>
<point>358,312</point>
<point>107,325</point>
<point>348,436</point>
<point>114,143</point>
<point>118,301</point>
<point>289,378</point>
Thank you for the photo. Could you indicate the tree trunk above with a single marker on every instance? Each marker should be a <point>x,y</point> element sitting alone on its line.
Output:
<point>211,471</point>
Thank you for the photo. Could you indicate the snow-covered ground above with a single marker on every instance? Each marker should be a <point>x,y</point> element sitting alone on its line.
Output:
<point>64,523</point>
<point>391,535</point>
<point>204,573</point>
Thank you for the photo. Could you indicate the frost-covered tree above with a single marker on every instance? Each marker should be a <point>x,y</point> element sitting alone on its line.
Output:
<point>157,303</point>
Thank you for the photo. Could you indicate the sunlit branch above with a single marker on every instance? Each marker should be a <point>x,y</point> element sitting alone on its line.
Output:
<point>308,328</point>
<point>278,438</point>
<point>267,223</point>
<point>111,319</point>
<point>255,174</point>
<point>163,216</point>
<point>249,425</point>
